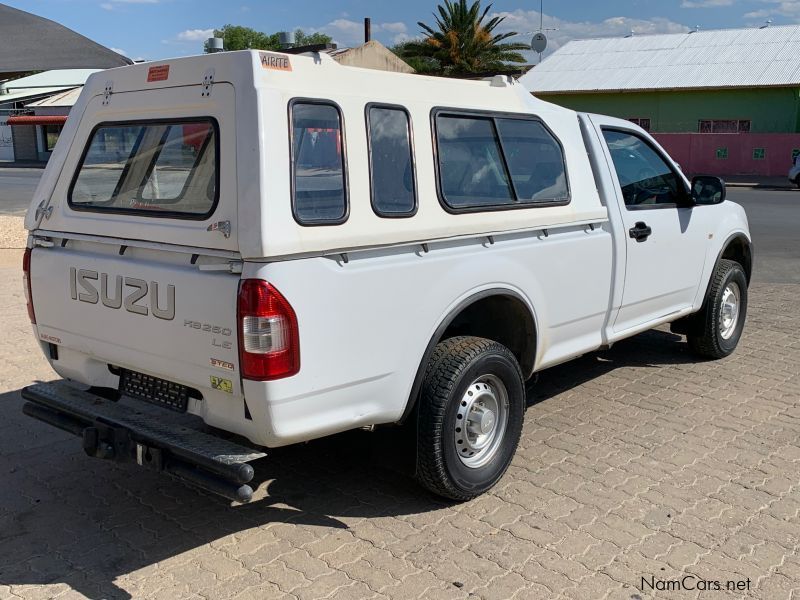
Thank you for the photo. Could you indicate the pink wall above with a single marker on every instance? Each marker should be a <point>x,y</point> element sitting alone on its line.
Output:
<point>697,152</point>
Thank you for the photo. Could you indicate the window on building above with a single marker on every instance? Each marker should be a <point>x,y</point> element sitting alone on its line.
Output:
<point>492,162</point>
<point>50,135</point>
<point>318,164</point>
<point>643,122</point>
<point>723,126</point>
<point>391,162</point>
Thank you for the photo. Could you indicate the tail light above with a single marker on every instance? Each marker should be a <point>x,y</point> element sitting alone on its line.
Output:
<point>26,282</point>
<point>269,342</point>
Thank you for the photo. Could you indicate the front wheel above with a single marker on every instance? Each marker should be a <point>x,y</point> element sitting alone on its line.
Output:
<point>471,409</point>
<point>721,321</point>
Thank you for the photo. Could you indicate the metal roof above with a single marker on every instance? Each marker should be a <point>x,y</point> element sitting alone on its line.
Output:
<point>20,95</point>
<point>68,98</point>
<point>726,58</point>
<point>32,43</point>
<point>56,78</point>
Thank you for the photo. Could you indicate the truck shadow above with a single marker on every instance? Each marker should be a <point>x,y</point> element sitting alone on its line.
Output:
<point>654,348</point>
<point>68,519</point>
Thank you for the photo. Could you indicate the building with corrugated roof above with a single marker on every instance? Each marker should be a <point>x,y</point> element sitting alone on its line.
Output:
<point>705,83</point>
<point>33,110</point>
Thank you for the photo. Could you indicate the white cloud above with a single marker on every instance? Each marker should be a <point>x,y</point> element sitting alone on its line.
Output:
<point>705,3</point>
<point>397,27</point>
<point>790,9</point>
<point>119,51</point>
<point>528,20</point>
<point>195,35</point>
<point>781,8</point>
<point>346,32</point>
<point>113,4</point>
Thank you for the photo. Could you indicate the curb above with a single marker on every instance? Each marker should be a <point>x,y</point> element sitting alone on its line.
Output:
<point>760,186</point>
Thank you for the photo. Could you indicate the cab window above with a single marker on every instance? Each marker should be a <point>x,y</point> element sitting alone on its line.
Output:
<point>647,181</point>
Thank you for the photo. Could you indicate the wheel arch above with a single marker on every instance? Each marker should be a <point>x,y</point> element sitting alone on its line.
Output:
<point>739,248</point>
<point>499,314</point>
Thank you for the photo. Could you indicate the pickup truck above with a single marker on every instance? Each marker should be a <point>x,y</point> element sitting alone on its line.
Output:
<point>239,251</point>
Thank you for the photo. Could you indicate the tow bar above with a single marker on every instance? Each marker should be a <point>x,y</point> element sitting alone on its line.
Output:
<point>152,437</point>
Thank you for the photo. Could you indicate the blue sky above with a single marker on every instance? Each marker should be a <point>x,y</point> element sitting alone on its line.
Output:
<point>154,29</point>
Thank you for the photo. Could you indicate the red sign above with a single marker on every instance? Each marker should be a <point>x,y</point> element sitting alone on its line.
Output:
<point>158,73</point>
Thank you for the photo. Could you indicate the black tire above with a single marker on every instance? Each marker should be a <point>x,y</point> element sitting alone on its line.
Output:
<point>706,339</point>
<point>457,364</point>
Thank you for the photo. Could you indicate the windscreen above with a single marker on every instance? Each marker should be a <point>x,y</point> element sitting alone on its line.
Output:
<point>165,169</point>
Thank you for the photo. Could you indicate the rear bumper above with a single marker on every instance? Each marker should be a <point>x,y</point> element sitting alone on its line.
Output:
<point>153,437</point>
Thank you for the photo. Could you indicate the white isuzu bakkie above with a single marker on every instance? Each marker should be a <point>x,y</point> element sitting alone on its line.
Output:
<point>283,248</point>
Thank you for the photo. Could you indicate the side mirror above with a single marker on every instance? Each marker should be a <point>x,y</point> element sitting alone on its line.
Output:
<point>707,189</point>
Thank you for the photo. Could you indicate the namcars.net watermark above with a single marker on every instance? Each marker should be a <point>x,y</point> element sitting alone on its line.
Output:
<point>692,583</point>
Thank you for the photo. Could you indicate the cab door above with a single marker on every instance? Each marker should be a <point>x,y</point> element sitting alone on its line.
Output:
<point>665,233</point>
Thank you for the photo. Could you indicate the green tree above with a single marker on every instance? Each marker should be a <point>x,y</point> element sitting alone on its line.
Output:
<point>238,37</point>
<point>309,39</point>
<point>463,42</point>
<point>423,65</point>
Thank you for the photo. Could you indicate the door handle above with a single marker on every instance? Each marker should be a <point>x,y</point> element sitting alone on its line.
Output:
<point>640,231</point>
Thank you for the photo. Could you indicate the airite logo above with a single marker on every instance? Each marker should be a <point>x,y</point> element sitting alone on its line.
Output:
<point>136,295</point>
<point>275,62</point>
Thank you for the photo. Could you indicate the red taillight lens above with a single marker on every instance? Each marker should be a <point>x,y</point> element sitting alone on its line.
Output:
<point>269,341</point>
<point>26,282</point>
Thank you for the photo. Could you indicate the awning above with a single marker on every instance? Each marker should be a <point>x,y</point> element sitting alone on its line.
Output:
<point>37,120</point>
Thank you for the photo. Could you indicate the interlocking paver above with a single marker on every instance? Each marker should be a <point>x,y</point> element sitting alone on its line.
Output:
<point>634,462</point>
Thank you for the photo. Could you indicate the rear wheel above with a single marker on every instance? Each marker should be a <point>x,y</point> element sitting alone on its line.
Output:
<point>720,323</point>
<point>470,417</point>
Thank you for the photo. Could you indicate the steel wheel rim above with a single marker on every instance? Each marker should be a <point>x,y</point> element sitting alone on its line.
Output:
<point>481,421</point>
<point>729,310</point>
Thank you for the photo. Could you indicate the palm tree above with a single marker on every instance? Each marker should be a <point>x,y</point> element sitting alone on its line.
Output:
<point>462,43</point>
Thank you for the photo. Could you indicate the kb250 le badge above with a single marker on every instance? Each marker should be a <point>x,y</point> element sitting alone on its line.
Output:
<point>215,330</point>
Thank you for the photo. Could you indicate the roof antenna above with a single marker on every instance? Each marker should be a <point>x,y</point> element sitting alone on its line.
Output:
<point>766,24</point>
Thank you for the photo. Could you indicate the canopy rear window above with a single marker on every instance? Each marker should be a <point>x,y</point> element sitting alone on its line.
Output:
<point>153,168</point>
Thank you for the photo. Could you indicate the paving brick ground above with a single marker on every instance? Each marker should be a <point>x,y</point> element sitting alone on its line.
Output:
<point>635,462</point>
